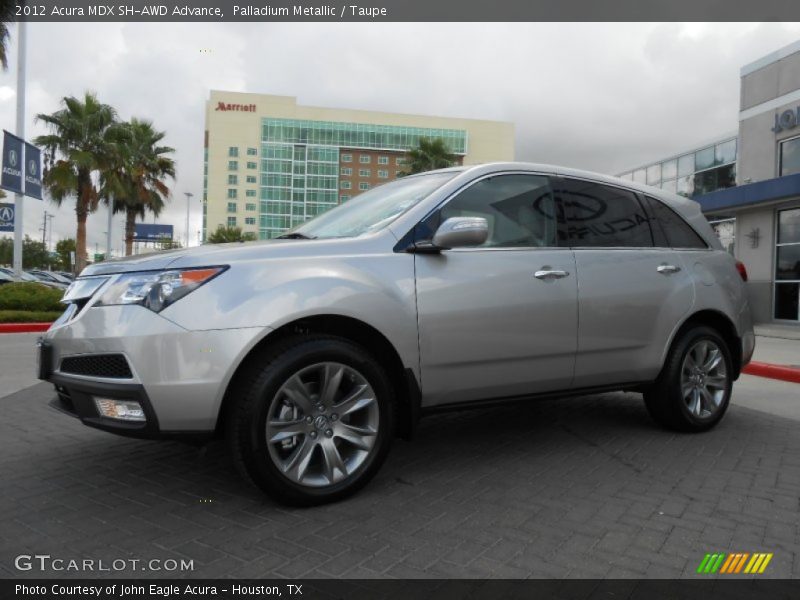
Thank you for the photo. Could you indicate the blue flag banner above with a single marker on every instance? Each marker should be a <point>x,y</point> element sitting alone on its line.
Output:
<point>11,178</point>
<point>33,171</point>
<point>6,217</point>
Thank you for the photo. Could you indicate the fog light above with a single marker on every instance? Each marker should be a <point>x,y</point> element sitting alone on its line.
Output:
<point>124,410</point>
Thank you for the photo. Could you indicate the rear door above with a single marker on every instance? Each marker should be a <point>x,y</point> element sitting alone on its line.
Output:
<point>632,294</point>
<point>498,319</point>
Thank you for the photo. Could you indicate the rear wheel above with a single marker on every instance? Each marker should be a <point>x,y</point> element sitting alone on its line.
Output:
<point>313,422</point>
<point>693,390</point>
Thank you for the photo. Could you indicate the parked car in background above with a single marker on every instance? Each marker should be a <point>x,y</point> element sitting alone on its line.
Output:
<point>42,277</point>
<point>27,277</point>
<point>437,291</point>
<point>6,278</point>
<point>66,275</point>
<point>50,276</point>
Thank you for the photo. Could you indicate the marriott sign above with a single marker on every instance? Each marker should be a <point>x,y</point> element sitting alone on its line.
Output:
<point>236,107</point>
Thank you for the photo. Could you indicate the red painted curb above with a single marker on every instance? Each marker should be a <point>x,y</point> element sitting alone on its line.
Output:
<point>781,372</point>
<point>24,327</point>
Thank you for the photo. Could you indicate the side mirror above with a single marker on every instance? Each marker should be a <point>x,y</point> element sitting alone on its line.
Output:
<point>459,232</point>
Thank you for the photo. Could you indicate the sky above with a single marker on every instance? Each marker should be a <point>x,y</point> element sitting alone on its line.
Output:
<point>599,96</point>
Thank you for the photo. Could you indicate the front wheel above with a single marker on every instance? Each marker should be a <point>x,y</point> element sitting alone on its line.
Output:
<point>313,422</point>
<point>693,390</point>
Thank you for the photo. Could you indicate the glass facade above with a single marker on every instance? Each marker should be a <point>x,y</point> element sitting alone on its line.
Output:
<point>298,182</point>
<point>787,266</point>
<point>297,167</point>
<point>790,157</point>
<point>301,163</point>
<point>357,135</point>
<point>692,174</point>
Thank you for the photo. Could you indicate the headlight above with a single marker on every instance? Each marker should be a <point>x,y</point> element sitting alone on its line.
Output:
<point>81,289</point>
<point>156,289</point>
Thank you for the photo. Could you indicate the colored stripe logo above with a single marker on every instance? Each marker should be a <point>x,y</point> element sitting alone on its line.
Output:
<point>735,563</point>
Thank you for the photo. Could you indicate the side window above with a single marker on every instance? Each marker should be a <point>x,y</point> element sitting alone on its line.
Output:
<point>519,209</point>
<point>674,231</point>
<point>603,216</point>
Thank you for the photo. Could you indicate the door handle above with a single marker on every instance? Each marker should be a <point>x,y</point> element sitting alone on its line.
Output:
<point>667,269</point>
<point>549,274</point>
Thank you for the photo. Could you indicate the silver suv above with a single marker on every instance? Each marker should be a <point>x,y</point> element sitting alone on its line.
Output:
<point>310,352</point>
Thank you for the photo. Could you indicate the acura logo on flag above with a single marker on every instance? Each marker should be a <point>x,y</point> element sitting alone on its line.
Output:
<point>6,217</point>
<point>32,167</point>
<point>12,158</point>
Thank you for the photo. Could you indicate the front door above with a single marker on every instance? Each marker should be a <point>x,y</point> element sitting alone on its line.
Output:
<point>499,319</point>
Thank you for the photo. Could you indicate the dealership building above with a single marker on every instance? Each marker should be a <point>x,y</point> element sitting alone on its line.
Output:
<point>748,184</point>
<point>271,163</point>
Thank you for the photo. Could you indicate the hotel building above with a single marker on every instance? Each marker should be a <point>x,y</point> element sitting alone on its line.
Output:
<point>271,163</point>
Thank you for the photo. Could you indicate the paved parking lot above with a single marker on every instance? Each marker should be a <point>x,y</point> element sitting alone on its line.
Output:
<point>581,487</point>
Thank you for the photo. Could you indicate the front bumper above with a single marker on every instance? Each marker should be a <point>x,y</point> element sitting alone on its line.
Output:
<point>178,376</point>
<point>76,398</point>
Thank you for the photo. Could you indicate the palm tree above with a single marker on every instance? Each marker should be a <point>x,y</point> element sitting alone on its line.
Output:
<point>76,147</point>
<point>224,235</point>
<point>428,155</point>
<point>7,10</point>
<point>134,180</point>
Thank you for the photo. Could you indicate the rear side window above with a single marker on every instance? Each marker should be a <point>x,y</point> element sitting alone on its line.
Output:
<point>603,216</point>
<point>669,229</point>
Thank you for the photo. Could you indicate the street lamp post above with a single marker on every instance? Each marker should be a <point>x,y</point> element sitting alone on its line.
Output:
<point>48,217</point>
<point>188,207</point>
<point>109,227</point>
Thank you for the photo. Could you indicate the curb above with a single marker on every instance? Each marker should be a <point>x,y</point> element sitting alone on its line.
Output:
<point>24,327</point>
<point>760,369</point>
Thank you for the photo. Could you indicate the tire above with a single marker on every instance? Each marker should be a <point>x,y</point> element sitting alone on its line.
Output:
<point>307,401</point>
<point>687,399</point>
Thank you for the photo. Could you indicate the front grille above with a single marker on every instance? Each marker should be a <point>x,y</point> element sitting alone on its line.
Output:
<point>113,366</point>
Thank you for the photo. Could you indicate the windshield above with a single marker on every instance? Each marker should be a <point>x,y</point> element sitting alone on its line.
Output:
<point>372,210</point>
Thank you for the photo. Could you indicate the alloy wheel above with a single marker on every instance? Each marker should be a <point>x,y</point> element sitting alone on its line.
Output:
<point>704,379</point>
<point>322,424</point>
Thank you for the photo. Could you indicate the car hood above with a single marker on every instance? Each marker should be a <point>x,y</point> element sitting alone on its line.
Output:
<point>225,254</point>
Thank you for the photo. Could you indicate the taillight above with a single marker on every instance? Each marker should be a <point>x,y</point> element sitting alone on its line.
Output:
<point>742,270</point>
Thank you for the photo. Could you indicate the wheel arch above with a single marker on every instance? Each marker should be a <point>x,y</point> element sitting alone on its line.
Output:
<point>722,324</point>
<point>371,339</point>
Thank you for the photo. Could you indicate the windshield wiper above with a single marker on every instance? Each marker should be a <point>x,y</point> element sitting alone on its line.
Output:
<point>296,236</point>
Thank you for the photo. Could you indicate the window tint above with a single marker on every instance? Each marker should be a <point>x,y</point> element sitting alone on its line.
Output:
<point>603,216</point>
<point>669,229</point>
<point>519,209</point>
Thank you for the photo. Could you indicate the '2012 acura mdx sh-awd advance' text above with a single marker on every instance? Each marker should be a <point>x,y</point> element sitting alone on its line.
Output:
<point>310,352</point>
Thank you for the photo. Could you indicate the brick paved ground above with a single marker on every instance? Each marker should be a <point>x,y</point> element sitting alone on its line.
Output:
<point>582,487</point>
